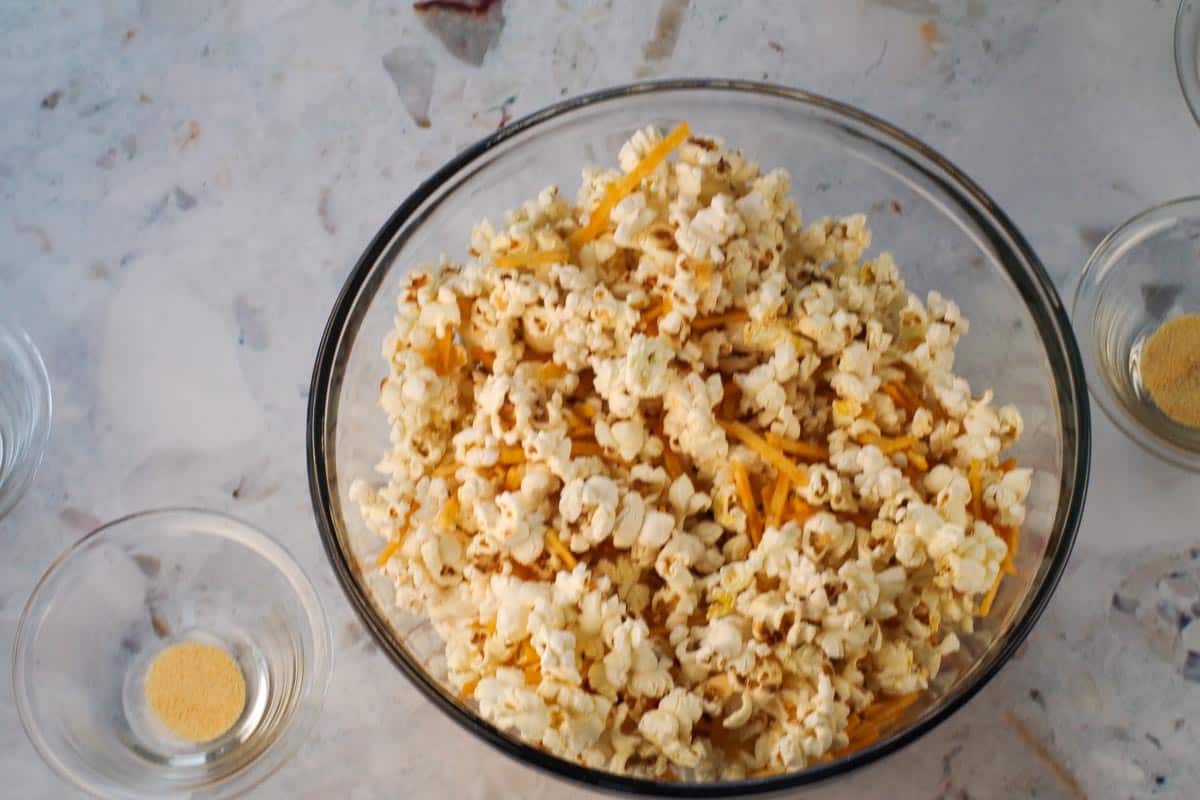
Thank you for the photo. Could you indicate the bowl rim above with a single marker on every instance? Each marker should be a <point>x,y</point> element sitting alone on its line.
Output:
<point>1107,255</point>
<point>25,471</point>
<point>1034,280</point>
<point>1187,24</point>
<point>290,738</point>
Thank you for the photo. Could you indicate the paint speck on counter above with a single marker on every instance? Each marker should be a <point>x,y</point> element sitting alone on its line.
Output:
<point>187,135</point>
<point>149,565</point>
<point>504,109</point>
<point>38,233</point>
<point>183,200</point>
<point>666,30</point>
<point>324,211</point>
<point>1091,235</point>
<point>930,34</point>
<point>79,519</point>
<point>157,209</point>
<point>252,328</point>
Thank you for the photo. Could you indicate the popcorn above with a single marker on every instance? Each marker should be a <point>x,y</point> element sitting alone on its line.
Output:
<point>632,217</point>
<point>656,529</point>
<point>557,495</point>
<point>669,727</point>
<point>1007,496</point>
<point>596,496</point>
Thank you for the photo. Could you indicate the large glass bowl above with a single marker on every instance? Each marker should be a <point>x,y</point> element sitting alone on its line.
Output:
<point>945,233</point>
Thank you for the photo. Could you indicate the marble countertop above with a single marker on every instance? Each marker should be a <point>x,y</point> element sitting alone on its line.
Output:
<point>184,186</point>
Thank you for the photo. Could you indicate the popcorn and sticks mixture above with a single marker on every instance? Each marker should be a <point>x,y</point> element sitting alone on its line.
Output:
<point>689,489</point>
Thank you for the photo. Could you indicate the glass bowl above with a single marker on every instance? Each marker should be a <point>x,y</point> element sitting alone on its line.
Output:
<point>127,591</point>
<point>1187,53</point>
<point>24,413</point>
<point>1144,273</point>
<point>945,234</point>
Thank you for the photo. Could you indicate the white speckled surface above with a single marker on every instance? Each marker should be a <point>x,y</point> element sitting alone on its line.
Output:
<point>177,225</point>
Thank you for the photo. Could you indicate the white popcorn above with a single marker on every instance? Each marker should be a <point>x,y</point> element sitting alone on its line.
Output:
<point>629,521</point>
<point>631,217</point>
<point>656,529</point>
<point>506,700</point>
<point>634,150</point>
<point>701,236</point>
<point>669,727</point>
<point>1007,496</point>
<point>557,496</point>
<point>684,498</point>
<point>628,437</point>
<point>692,425</point>
<point>597,497</point>
<point>516,527</point>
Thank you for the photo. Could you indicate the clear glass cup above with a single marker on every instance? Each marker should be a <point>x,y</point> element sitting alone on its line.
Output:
<point>124,593</point>
<point>1144,273</point>
<point>945,233</point>
<point>1187,53</point>
<point>24,413</point>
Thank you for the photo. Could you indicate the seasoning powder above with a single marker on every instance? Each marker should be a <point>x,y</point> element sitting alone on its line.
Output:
<point>1171,369</point>
<point>196,690</point>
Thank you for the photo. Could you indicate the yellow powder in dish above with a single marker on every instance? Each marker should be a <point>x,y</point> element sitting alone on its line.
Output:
<point>1171,369</point>
<point>196,690</point>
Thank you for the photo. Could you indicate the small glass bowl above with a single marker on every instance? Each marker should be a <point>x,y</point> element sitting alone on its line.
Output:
<point>1144,273</point>
<point>24,413</point>
<point>121,595</point>
<point>1187,53</point>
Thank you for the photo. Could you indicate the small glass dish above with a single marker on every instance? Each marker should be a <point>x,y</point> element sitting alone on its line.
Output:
<point>1187,53</point>
<point>24,413</point>
<point>1144,273</point>
<point>121,595</point>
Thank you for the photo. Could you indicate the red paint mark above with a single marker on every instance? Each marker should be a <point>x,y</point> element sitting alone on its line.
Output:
<point>478,7</point>
<point>467,28</point>
<point>776,46</point>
